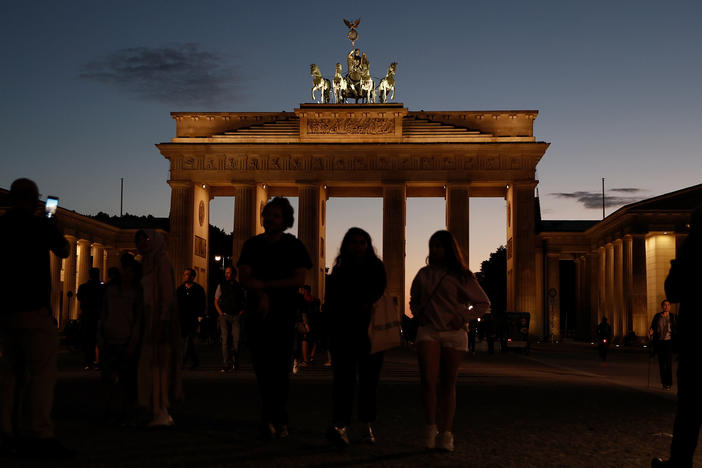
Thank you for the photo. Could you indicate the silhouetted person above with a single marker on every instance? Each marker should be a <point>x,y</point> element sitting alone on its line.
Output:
<point>27,330</point>
<point>683,286</point>
<point>273,267</point>
<point>662,332</point>
<point>357,281</point>
<point>90,300</point>
<point>160,360</point>
<point>229,302</point>
<point>119,333</point>
<point>445,295</point>
<point>604,338</point>
<point>192,302</point>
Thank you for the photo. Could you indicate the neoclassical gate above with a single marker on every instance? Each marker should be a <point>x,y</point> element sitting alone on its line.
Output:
<point>348,150</point>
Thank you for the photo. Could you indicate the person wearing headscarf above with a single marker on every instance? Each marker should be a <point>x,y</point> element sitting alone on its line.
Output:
<point>159,379</point>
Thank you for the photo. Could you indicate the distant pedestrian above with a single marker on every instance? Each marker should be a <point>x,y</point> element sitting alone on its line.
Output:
<point>27,330</point>
<point>273,267</point>
<point>683,285</point>
<point>662,332</point>
<point>192,302</point>
<point>357,281</point>
<point>90,300</point>
<point>301,330</point>
<point>160,361</point>
<point>604,338</point>
<point>314,319</point>
<point>445,295</point>
<point>119,332</point>
<point>229,302</point>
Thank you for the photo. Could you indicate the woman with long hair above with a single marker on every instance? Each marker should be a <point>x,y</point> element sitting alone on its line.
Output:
<point>357,281</point>
<point>445,295</point>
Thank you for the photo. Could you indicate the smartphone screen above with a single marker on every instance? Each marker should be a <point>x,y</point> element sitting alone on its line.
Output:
<point>51,205</point>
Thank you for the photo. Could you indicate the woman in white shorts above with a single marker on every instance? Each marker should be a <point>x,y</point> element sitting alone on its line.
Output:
<point>445,295</point>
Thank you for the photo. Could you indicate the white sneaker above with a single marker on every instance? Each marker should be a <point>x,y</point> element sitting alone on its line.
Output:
<point>162,419</point>
<point>445,441</point>
<point>430,433</point>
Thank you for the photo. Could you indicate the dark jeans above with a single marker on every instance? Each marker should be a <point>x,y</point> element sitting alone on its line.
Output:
<point>271,347</point>
<point>349,358</point>
<point>664,350</point>
<point>119,374</point>
<point>189,351</point>
<point>688,416</point>
<point>229,325</point>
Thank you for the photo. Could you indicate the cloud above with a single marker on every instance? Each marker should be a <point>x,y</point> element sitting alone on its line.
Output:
<point>593,200</point>
<point>180,74</point>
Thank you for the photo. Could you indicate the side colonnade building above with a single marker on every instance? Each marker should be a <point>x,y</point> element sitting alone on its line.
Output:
<point>93,244</point>
<point>614,268</point>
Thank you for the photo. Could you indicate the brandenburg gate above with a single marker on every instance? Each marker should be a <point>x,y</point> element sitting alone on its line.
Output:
<point>355,150</point>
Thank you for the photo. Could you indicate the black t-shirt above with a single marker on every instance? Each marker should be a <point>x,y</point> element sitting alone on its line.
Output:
<point>25,275</point>
<point>274,261</point>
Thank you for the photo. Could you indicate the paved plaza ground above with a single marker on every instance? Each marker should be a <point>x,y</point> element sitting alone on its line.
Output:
<point>558,406</point>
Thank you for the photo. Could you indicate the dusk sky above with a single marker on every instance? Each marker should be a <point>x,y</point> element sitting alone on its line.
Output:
<point>87,88</point>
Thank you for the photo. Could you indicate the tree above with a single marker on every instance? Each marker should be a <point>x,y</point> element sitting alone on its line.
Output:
<point>493,279</point>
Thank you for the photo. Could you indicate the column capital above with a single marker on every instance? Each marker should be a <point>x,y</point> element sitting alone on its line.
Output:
<point>181,183</point>
<point>518,184</point>
<point>394,183</point>
<point>83,242</point>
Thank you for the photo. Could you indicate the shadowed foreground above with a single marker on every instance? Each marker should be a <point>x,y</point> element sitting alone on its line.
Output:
<point>512,411</point>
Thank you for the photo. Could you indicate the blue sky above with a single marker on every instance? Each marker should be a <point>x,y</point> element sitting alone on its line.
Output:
<point>86,90</point>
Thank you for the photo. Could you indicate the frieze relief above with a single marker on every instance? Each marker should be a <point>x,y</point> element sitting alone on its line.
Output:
<point>343,162</point>
<point>363,126</point>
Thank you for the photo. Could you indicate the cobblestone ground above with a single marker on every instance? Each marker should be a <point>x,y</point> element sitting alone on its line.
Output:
<point>556,407</point>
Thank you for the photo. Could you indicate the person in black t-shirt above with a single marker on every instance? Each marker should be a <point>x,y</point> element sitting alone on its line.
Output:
<point>191,306</point>
<point>272,267</point>
<point>229,302</point>
<point>90,298</point>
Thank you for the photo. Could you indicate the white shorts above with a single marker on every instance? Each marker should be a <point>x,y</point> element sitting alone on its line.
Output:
<point>454,339</point>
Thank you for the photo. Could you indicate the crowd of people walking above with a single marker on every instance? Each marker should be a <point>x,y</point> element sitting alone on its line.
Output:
<point>140,330</point>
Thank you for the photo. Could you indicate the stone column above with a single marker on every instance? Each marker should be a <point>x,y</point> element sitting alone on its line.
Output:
<point>579,302</point>
<point>99,260</point>
<point>311,231</point>
<point>602,285</point>
<point>457,215</point>
<point>554,302</point>
<point>56,288</point>
<point>112,259</point>
<point>610,308</point>
<point>538,325</point>
<point>249,200</point>
<point>69,282</point>
<point>521,239</point>
<point>83,267</point>
<point>639,312</point>
<point>592,285</point>
<point>627,277</point>
<point>180,237</point>
<point>618,289</point>
<point>394,220</point>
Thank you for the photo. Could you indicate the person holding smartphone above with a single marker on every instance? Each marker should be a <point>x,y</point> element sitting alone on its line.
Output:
<point>27,329</point>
